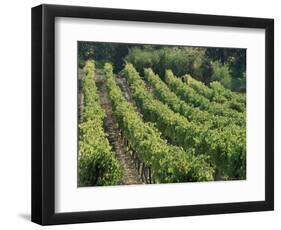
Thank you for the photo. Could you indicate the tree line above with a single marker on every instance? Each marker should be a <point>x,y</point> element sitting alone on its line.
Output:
<point>206,64</point>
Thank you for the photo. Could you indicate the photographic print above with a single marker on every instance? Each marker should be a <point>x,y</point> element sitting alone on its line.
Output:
<point>153,114</point>
<point>176,109</point>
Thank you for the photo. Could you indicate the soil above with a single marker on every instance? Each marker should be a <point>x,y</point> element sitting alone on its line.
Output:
<point>80,93</point>
<point>131,175</point>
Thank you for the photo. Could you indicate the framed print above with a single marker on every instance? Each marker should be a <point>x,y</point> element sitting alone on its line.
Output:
<point>136,114</point>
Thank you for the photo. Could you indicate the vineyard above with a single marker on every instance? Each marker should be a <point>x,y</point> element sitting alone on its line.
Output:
<point>140,127</point>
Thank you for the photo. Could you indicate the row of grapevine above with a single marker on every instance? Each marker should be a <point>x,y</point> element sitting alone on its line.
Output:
<point>188,94</point>
<point>221,91</point>
<point>164,94</point>
<point>97,163</point>
<point>226,149</point>
<point>167,163</point>
<point>217,93</point>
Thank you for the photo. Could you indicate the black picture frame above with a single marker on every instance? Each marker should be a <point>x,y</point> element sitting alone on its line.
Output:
<point>43,114</point>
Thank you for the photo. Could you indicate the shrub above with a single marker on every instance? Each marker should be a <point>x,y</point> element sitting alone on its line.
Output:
<point>221,73</point>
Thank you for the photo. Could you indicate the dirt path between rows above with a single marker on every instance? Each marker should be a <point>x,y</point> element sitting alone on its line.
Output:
<point>80,93</point>
<point>122,83</point>
<point>131,175</point>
